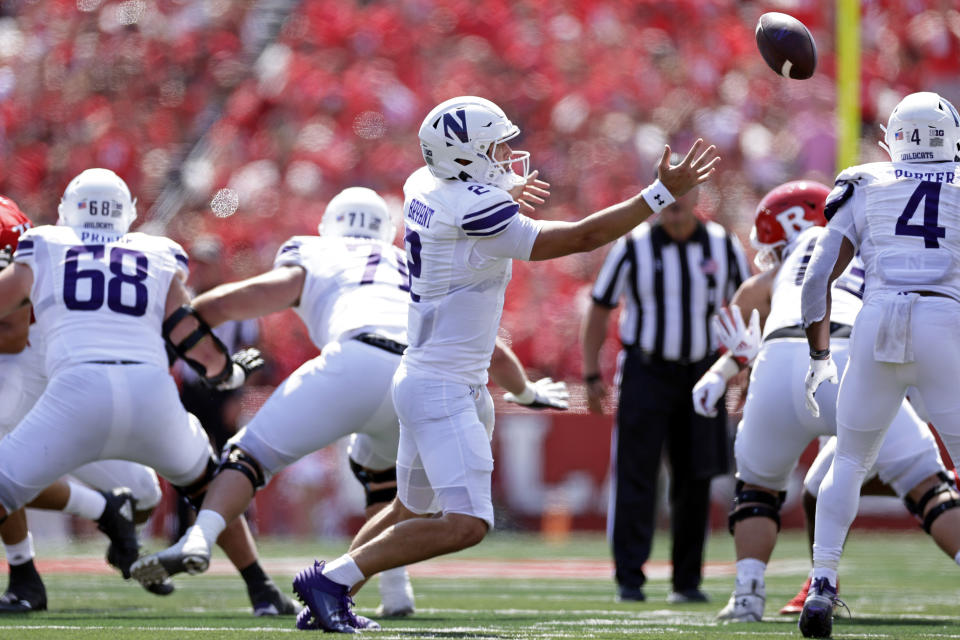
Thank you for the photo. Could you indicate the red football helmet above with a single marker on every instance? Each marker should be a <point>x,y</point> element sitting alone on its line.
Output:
<point>12,223</point>
<point>783,214</point>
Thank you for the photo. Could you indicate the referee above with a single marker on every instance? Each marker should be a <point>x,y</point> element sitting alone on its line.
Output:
<point>673,275</point>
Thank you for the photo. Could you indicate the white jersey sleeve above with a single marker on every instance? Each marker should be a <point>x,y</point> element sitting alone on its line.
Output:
<point>352,286</point>
<point>100,296</point>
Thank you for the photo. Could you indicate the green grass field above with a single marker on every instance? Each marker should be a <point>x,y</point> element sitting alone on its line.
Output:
<point>898,585</point>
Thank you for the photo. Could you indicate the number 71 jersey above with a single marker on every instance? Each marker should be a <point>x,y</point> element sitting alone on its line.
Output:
<point>100,296</point>
<point>905,219</point>
<point>353,285</point>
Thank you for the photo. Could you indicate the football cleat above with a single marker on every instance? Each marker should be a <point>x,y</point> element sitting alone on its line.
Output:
<point>24,598</point>
<point>329,603</point>
<point>268,601</point>
<point>816,619</point>
<point>396,594</point>
<point>796,605</point>
<point>163,588</point>
<point>117,523</point>
<point>189,554</point>
<point>745,604</point>
<point>687,596</point>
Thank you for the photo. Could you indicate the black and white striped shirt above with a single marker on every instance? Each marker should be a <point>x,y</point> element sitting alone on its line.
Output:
<point>671,288</point>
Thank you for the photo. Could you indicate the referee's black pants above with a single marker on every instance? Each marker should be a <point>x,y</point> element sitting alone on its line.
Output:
<point>656,409</point>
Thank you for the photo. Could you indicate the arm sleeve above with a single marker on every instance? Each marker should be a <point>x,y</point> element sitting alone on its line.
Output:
<point>814,293</point>
<point>842,221</point>
<point>514,241</point>
<point>613,274</point>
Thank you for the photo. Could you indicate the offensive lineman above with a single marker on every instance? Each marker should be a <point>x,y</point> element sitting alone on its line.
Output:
<point>904,218</point>
<point>463,228</point>
<point>776,428</point>
<point>100,295</point>
<point>350,288</point>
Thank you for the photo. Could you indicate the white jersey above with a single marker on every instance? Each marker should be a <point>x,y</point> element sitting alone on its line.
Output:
<point>905,219</point>
<point>99,296</point>
<point>459,272</point>
<point>785,306</point>
<point>352,286</point>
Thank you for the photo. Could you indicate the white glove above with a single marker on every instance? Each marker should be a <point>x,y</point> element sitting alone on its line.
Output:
<point>742,343</point>
<point>819,371</point>
<point>6,256</point>
<point>244,362</point>
<point>542,394</point>
<point>708,390</point>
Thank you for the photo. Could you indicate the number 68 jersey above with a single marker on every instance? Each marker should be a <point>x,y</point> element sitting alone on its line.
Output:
<point>100,295</point>
<point>905,219</point>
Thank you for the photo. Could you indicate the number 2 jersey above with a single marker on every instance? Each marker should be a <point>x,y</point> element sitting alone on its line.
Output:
<point>785,305</point>
<point>905,220</point>
<point>100,296</point>
<point>460,239</point>
<point>352,286</point>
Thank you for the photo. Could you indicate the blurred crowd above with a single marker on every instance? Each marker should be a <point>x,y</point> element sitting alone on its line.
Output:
<point>334,99</point>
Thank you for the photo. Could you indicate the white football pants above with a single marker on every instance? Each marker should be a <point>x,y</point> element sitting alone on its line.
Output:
<point>871,393</point>
<point>777,427</point>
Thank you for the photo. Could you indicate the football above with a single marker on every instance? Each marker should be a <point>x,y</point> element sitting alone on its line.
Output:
<point>786,45</point>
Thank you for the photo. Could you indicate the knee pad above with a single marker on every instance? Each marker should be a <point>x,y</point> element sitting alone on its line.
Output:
<point>194,493</point>
<point>917,508</point>
<point>368,477</point>
<point>239,460</point>
<point>751,503</point>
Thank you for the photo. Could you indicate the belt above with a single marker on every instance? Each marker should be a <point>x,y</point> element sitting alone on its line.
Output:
<point>113,362</point>
<point>932,294</point>
<point>837,330</point>
<point>380,342</point>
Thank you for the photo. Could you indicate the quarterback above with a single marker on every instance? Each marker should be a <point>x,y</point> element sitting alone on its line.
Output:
<point>776,426</point>
<point>903,217</point>
<point>463,229</point>
<point>350,286</point>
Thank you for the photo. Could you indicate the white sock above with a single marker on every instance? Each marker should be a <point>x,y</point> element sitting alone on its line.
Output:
<point>394,579</point>
<point>956,558</point>
<point>750,573</point>
<point>829,574</point>
<point>343,571</point>
<point>210,525</point>
<point>85,502</point>
<point>20,553</point>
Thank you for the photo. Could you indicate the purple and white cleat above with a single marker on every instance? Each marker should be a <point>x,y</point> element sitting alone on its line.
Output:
<point>816,619</point>
<point>328,605</point>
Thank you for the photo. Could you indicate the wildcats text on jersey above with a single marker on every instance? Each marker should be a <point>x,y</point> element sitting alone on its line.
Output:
<point>420,213</point>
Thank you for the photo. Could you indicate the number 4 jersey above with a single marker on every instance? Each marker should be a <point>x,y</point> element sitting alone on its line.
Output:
<point>352,286</point>
<point>905,220</point>
<point>100,296</point>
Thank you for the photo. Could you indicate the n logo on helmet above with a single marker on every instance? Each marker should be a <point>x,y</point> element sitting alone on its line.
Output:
<point>450,124</point>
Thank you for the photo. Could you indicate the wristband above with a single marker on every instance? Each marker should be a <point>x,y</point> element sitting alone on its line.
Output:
<point>819,354</point>
<point>657,196</point>
<point>593,377</point>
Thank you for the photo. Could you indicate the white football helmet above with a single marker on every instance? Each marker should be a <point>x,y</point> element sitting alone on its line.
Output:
<point>359,212</point>
<point>923,127</point>
<point>459,139</point>
<point>97,199</point>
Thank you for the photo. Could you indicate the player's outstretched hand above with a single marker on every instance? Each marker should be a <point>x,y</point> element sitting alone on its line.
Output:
<point>6,256</point>
<point>697,166</point>
<point>820,371</point>
<point>532,193</point>
<point>707,392</point>
<point>742,342</point>
<point>542,394</point>
<point>245,362</point>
